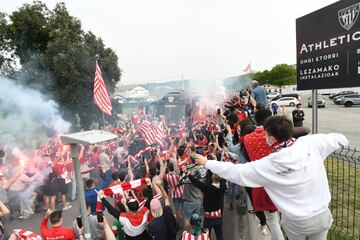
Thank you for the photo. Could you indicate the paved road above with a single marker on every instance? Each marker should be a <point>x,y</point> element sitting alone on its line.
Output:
<point>334,118</point>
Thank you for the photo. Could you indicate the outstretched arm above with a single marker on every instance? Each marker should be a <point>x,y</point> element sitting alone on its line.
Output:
<point>130,173</point>
<point>150,196</point>
<point>111,209</point>
<point>163,193</point>
<point>242,174</point>
<point>162,167</point>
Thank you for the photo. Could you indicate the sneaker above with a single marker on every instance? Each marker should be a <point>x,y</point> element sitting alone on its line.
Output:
<point>68,206</point>
<point>263,229</point>
<point>22,217</point>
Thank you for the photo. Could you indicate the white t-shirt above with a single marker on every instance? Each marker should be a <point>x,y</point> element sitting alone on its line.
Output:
<point>104,158</point>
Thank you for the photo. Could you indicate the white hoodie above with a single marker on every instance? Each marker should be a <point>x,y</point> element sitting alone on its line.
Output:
<point>294,178</point>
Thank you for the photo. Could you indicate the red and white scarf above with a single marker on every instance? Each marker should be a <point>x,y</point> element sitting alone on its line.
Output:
<point>125,186</point>
<point>24,235</point>
<point>276,147</point>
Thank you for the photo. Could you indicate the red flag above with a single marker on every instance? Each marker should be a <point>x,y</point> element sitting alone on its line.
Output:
<point>101,95</point>
<point>248,68</point>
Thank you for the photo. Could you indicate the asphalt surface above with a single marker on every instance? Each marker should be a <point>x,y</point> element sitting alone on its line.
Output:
<point>334,118</point>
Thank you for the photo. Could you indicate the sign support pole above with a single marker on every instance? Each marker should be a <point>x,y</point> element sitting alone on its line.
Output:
<point>80,190</point>
<point>314,111</point>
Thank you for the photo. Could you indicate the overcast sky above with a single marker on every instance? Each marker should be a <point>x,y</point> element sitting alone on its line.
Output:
<point>159,40</point>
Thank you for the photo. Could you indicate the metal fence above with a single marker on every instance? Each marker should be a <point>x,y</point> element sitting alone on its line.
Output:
<point>343,169</point>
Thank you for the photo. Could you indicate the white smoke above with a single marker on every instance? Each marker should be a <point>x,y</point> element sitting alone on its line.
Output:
<point>212,93</point>
<point>26,114</point>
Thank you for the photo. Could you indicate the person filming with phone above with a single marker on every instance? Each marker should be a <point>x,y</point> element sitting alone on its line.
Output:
<point>96,227</point>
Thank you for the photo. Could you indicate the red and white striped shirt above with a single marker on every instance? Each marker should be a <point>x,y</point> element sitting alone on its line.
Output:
<point>173,179</point>
<point>188,236</point>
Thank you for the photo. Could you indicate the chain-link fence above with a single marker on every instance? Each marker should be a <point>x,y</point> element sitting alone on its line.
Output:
<point>343,169</point>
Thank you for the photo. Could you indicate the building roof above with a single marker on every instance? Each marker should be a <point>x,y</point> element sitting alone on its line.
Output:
<point>125,88</point>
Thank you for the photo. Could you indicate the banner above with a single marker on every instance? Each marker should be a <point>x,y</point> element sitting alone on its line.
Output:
<point>328,47</point>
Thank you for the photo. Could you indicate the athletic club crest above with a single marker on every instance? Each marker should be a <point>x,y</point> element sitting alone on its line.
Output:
<point>348,16</point>
<point>171,99</point>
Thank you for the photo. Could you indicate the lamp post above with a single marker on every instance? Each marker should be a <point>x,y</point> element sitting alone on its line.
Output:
<point>85,138</point>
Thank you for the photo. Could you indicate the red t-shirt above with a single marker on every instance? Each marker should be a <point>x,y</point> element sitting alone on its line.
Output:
<point>59,169</point>
<point>95,158</point>
<point>56,233</point>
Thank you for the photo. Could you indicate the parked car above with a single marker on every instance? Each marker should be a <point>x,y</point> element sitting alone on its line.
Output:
<point>337,100</point>
<point>350,100</point>
<point>320,101</point>
<point>272,95</point>
<point>286,101</point>
<point>295,95</point>
<point>342,93</point>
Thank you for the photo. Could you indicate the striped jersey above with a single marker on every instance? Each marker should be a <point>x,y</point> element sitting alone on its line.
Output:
<point>173,179</point>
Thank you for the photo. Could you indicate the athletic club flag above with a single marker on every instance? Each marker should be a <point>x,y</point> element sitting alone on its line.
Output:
<point>125,186</point>
<point>101,95</point>
<point>248,68</point>
<point>152,133</point>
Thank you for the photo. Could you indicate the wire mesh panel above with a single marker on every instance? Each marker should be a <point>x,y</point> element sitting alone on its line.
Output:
<point>343,170</point>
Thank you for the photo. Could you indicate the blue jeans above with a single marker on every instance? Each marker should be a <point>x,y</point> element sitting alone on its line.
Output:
<point>234,190</point>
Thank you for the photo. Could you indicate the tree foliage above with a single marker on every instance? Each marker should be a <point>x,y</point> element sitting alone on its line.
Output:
<point>279,75</point>
<point>57,56</point>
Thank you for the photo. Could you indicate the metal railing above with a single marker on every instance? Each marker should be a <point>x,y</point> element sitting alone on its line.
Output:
<point>343,170</point>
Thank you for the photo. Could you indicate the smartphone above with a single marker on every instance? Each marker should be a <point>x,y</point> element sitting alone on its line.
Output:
<point>200,150</point>
<point>100,217</point>
<point>79,222</point>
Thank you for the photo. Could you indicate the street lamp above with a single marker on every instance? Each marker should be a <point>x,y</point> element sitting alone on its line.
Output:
<point>85,138</point>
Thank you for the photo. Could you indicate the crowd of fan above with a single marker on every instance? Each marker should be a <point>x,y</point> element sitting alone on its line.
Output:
<point>162,194</point>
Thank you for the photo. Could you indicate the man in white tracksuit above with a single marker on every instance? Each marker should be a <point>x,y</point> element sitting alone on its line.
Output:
<point>293,176</point>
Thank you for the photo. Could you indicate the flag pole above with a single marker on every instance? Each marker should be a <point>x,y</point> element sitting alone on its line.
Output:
<point>103,117</point>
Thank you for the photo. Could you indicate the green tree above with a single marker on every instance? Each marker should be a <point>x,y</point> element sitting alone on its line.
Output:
<point>279,75</point>
<point>57,57</point>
